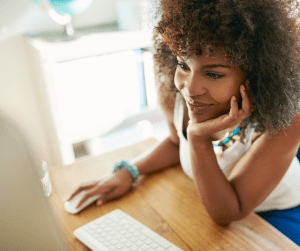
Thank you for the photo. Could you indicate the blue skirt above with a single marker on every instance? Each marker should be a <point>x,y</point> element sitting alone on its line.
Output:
<point>286,221</point>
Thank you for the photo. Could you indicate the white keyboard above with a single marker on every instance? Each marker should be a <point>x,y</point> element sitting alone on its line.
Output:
<point>119,231</point>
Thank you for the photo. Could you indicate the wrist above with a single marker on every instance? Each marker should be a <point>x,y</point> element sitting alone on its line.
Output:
<point>197,137</point>
<point>129,168</point>
<point>125,173</point>
<point>199,142</point>
<point>197,131</point>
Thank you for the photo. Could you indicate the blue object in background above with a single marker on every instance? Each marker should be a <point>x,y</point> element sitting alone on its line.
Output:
<point>70,7</point>
<point>67,7</point>
<point>37,2</point>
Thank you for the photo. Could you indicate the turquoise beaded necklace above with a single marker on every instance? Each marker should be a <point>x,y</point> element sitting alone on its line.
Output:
<point>228,138</point>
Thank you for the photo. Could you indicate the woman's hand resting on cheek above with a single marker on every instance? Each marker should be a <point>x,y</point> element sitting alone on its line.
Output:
<point>113,186</point>
<point>205,130</point>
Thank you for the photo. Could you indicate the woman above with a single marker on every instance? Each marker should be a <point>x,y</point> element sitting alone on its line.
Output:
<point>228,83</point>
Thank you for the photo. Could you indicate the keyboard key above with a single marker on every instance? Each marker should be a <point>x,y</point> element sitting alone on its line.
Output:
<point>131,230</point>
<point>134,248</point>
<point>112,248</point>
<point>106,243</point>
<point>123,240</point>
<point>103,234</point>
<point>115,242</point>
<point>117,236</point>
<point>128,244</point>
<point>128,236</point>
<point>139,243</point>
<point>133,239</point>
<point>145,247</point>
<point>137,234</point>
<point>154,245</point>
<point>154,236</point>
<point>142,237</point>
<point>109,238</point>
<point>123,232</point>
<point>119,246</point>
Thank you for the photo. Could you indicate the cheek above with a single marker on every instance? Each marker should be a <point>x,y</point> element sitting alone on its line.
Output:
<point>223,94</point>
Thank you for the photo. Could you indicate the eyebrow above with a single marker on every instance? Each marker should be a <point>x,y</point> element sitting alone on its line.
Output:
<point>211,66</point>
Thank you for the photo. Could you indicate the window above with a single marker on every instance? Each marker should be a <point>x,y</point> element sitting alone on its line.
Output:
<point>101,91</point>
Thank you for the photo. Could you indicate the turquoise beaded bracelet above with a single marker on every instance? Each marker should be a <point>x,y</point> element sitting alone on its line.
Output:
<point>131,168</point>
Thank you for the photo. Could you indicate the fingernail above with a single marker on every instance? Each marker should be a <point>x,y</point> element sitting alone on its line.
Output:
<point>243,87</point>
<point>234,98</point>
<point>99,203</point>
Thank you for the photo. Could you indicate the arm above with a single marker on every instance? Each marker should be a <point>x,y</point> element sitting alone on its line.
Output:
<point>255,175</point>
<point>163,154</point>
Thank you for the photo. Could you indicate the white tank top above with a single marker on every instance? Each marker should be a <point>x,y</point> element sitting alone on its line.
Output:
<point>285,195</point>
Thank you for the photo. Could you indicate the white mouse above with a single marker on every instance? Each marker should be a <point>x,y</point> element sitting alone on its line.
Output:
<point>71,205</point>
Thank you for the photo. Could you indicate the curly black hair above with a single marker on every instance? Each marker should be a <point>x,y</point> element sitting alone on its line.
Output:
<point>259,36</point>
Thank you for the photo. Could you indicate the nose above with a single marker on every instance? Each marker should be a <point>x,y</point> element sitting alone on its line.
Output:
<point>194,86</point>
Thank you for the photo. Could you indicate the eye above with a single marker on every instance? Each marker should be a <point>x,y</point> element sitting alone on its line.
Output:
<point>214,75</point>
<point>183,66</point>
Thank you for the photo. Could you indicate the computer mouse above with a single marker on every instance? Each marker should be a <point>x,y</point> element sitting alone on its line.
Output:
<point>70,206</point>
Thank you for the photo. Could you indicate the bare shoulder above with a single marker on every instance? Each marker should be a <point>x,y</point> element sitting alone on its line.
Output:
<point>293,131</point>
<point>284,143</point>
<point>291,134</point>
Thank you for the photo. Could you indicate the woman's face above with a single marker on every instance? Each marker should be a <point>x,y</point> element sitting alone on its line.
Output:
<point>207,84</point>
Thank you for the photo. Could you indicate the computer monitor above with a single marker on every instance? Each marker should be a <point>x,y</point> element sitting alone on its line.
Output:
<point>26,219</point>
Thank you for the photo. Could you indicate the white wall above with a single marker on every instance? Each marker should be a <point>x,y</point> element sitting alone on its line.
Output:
<point>18,97</point>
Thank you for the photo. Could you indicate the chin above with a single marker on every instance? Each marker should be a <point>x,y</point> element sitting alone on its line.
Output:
<point>199,117</point>
<point>204,116</point>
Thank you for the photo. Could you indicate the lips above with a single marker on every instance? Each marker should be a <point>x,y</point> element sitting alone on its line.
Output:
<point>198,107</point>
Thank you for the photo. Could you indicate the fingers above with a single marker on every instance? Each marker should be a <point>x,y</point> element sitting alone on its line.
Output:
<point>234,111</point>
<point>114,193</point>
<point>237,115</point>
<point>82,188</point>
<point>94,192</point>
<point>246,105</point>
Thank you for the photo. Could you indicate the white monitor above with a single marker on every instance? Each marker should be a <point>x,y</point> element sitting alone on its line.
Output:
<point>26,219</point>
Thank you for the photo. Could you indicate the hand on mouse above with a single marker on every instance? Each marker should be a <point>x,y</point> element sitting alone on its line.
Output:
<point>111,187</point>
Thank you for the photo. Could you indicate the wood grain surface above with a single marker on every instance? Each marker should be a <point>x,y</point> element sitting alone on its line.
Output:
<point>167,202</point>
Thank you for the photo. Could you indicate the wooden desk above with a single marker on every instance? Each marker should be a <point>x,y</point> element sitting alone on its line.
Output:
<point>166,202</point>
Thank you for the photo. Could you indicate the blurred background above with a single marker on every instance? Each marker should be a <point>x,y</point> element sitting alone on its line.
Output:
<point>78,78</point>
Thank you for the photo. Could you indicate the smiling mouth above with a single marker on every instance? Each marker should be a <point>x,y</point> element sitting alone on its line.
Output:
<point>198,107</point>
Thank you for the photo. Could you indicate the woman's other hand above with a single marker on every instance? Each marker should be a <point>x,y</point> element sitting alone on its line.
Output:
<point>111,187</point>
